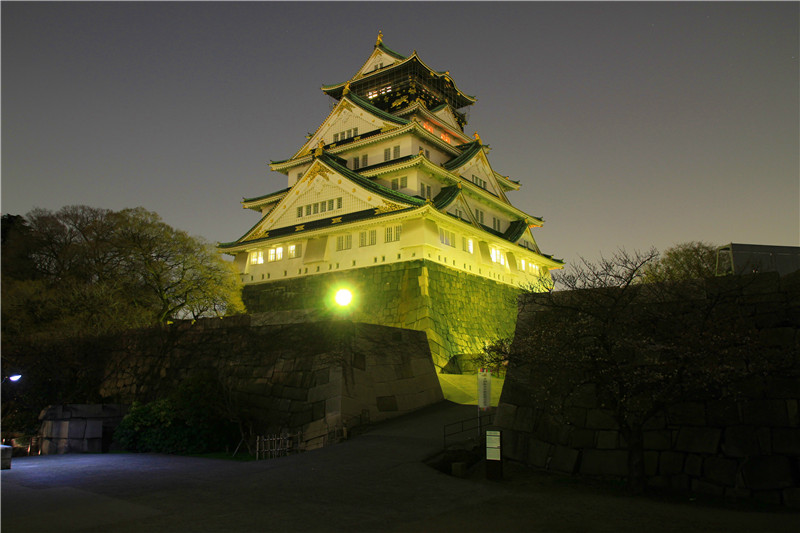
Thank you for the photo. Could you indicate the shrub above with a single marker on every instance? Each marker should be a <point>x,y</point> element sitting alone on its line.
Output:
<point>187,422</point>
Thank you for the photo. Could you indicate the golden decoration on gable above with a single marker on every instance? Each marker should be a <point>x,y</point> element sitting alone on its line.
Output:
<point>380,38</point>
<point>400,101</point>
<point>343,106</point>
<point>300,227</point>
<point>387,207</point>
<point>346,88</point>
<point>320,147</point>
<point>336,220</point>
<point>477,137</point>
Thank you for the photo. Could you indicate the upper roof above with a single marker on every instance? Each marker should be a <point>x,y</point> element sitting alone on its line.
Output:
<point>402,72</point>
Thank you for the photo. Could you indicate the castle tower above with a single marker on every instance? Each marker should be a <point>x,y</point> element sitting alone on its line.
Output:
<point>390,197</point>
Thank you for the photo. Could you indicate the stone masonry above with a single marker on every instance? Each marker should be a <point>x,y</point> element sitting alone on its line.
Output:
<point>748,447</point>
<point>312,376</point>
<point>458,311</point>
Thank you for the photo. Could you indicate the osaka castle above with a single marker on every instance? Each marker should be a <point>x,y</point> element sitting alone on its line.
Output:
<point>391,199</point>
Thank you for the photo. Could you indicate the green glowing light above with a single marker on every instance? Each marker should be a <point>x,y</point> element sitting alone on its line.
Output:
<point>343,297</point>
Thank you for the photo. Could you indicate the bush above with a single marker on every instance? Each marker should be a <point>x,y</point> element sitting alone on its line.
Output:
<point>187,422</point>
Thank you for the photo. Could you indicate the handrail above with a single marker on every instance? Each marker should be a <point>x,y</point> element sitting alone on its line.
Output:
<point>483,419</point>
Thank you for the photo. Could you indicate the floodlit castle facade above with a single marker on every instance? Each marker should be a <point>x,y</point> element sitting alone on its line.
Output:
<point>390,181</point>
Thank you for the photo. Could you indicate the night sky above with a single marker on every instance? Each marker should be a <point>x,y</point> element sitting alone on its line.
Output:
<point>629,125</point>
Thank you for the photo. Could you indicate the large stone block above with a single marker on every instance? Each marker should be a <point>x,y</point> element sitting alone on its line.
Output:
<point>607,440</point>
<point>765,413</point>
<point>600,419</point>
<point>704,487</point>
<point>739,441</point>
<point>786,441</point>
<point>564,459</point>
<point>720,471</point>
<point>688,413</point>
<point>604,463</point>
<point>657,440</point>
<point>698,440</point>
<point>539,453</point>
<point>767,472</point>
<point>671,463</point>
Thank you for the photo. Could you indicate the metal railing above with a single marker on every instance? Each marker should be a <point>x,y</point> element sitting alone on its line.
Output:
<point>472,424</point>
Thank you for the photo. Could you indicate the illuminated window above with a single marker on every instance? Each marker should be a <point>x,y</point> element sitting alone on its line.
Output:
<point>522,265</point>
<point>367,238</point>
<point>256,258</point>
<point>447,237</point>
<point>278,253</point>
<point>445,137</point>
<point>293,251</point>
<point>466,244</point>
<point>393,233</point>
<point>396,152</point>
<point>308,209</point>
<point>323,206</point>
<point>315,207</point>
<point>387,154</point>
<point>271,254</point>
<point>299,212</point>
<point>355,132</point>
<point>364,160</point>
<point>344,242</point>
<point>497,256</point>
<point>403,182</point>
<point>428,126</point>
<point>330,205</point>
<point>335,137</point>
<point>338,203</point>
<point>349,133</point>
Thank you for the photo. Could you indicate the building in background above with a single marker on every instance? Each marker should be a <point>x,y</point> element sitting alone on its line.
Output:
<point>390,196</point>
<point>736,258</point>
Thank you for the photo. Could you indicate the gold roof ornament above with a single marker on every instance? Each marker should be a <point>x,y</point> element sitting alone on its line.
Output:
<point>380,38</point>
<point>320,146</point>
<point>346,88</point>
<point>478,137</point>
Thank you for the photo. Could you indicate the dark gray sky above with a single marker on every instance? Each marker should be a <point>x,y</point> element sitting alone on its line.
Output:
<point>628,124</point>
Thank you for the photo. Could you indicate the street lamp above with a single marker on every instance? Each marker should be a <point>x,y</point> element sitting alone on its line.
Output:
<point>12,377</point>
<point>343,297</point>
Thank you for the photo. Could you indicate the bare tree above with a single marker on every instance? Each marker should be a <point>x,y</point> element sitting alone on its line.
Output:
<point>639,347</point>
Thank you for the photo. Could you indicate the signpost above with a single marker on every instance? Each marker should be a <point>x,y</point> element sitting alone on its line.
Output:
<point>484,389</point>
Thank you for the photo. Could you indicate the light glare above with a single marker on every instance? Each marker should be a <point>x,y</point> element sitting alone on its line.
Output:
<point>343,297</point>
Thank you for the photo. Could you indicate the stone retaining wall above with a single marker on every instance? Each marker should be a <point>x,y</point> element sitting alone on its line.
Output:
<point>743,448</point>
<point>458,311</point>
<point>310,376</point>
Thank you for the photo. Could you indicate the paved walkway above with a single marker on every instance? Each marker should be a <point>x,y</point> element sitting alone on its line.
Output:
<point>374,482</point>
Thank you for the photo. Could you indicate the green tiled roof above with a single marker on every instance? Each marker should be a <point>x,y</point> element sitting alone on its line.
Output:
<point>515,230</point>
<point>367,106</point>
<point>313,225</point>
<point>369,184</point>
<point>265,196</point>
<point>469,151</point>
<point>446,196</point>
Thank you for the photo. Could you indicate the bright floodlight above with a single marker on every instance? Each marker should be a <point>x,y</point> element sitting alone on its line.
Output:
<point>15,377</point>
<point>343,297</point>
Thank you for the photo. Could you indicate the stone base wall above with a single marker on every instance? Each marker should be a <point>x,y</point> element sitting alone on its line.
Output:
<point>308,376</point>
<point>458,311</point>
<point>78,428</point>
<point>747,447</point>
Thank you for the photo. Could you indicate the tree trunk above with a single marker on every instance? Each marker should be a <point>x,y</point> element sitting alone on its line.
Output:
<point>635,437</point>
